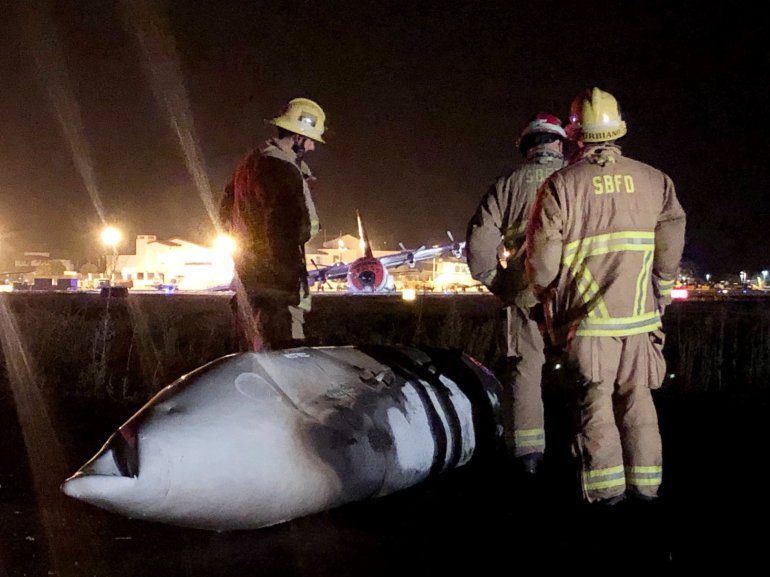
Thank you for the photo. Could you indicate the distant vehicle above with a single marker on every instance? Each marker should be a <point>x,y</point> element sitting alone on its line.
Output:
<point>171,287</point>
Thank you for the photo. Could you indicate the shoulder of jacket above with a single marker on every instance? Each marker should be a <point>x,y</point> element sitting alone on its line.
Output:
<point>639,165</point>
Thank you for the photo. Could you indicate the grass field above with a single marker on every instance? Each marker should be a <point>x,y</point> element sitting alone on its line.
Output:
<point>77,365</point>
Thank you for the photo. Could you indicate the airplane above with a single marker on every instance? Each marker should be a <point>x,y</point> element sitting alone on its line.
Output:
<point>369,274</point>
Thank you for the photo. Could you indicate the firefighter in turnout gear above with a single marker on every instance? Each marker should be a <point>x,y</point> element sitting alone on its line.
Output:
<point>269,210</point>
<point>495,251</point>
<point>603,249</point>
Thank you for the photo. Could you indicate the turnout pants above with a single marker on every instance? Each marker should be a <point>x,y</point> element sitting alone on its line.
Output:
<point>618,443</point>
<point>523,412</point>
<point>266,323</point>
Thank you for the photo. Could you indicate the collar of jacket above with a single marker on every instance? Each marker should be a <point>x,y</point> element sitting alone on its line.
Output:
<point>543,154</point>
<point>272,149</point>
<point>602,153</point>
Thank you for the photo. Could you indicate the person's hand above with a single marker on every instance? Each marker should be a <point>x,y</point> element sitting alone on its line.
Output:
<point>525,299</point>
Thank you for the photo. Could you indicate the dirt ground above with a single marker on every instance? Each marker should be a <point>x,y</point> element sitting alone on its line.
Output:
<point>480,518</point>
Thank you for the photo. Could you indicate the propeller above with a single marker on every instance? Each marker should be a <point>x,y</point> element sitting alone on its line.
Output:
<point>410,254</point>
<point>457,247</point>
<point>321,275</point>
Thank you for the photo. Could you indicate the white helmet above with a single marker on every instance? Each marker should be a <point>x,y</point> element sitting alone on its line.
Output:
<point>541,123</point>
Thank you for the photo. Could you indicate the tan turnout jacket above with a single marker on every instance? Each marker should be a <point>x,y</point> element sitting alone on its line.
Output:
<point>501,218</point>
<point>604,245</point>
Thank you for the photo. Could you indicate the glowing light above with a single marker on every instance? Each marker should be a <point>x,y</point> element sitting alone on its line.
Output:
<point>409,294</point>
<point>111,236</point>
<point>557,366</point>
<point>679,294</point>
<point>225,244</point>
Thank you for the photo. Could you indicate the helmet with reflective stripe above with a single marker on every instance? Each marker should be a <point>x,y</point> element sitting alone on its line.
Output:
<point>595,116</point>
<point>540,124</point>
<point>543,123</point>
<point>302,116</point>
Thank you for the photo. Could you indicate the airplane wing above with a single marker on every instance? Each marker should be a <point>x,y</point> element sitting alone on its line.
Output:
<point>456,249</point>
<point>333,272</point>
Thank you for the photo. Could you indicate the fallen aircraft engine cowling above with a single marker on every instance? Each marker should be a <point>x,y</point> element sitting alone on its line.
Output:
<point>254,439</point>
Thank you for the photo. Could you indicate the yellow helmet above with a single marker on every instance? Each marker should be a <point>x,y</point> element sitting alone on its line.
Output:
<point>302,116</point>
<point>595,115</point>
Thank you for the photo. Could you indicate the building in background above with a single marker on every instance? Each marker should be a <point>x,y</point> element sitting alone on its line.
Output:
<point>174,262</point>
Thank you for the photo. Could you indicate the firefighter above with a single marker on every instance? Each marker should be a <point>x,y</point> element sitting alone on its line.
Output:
<point>269,210</point>
<point>495,253</point>
<point>603,249</point>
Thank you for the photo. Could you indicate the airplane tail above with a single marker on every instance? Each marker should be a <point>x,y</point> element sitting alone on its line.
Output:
<point>363,240</point>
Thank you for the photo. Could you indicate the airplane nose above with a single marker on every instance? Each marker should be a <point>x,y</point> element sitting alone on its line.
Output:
<point>125,449</point>
<point>118,458</point>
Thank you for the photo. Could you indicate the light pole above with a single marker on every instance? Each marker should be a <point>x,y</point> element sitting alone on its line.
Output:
<point>110,238</point>
<point>341,247</point>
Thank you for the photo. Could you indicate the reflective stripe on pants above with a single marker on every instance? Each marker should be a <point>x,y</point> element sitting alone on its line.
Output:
<point>618,442</point>
<point>522,394</point>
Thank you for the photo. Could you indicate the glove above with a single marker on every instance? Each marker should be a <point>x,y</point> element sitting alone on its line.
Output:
<point>508,284</point>
<point>525,299</point>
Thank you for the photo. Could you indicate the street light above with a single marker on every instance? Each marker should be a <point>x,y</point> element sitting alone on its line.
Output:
<point>110,238</point>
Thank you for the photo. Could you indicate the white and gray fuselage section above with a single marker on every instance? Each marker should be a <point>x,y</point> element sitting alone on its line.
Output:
<point>255,439</point>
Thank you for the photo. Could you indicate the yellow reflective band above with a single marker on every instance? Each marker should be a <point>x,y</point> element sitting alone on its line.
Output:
<point>644,482</point>
<point>631,234</point>
<point>588,290</point>
<point>645,469</point>
<point>529,438</point>
<point>605,243</point>
<point>528,432</point>
<point>620,482</point>
<point>532,443</point>
<point>644,476</point>
<point>620,327</point>
<point>598,321</point>
<point>603,248</point>
<point>603,472</point>
<point>642,282</point>
<point>596,251</point>
<point>603,478</point>
<point>652,315</point>
<point>665,286</point>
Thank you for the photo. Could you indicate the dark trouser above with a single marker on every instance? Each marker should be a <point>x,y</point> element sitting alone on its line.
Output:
<point>266,323</point>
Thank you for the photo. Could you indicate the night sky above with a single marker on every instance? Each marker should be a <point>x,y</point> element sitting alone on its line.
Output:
<point>424,103</point>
